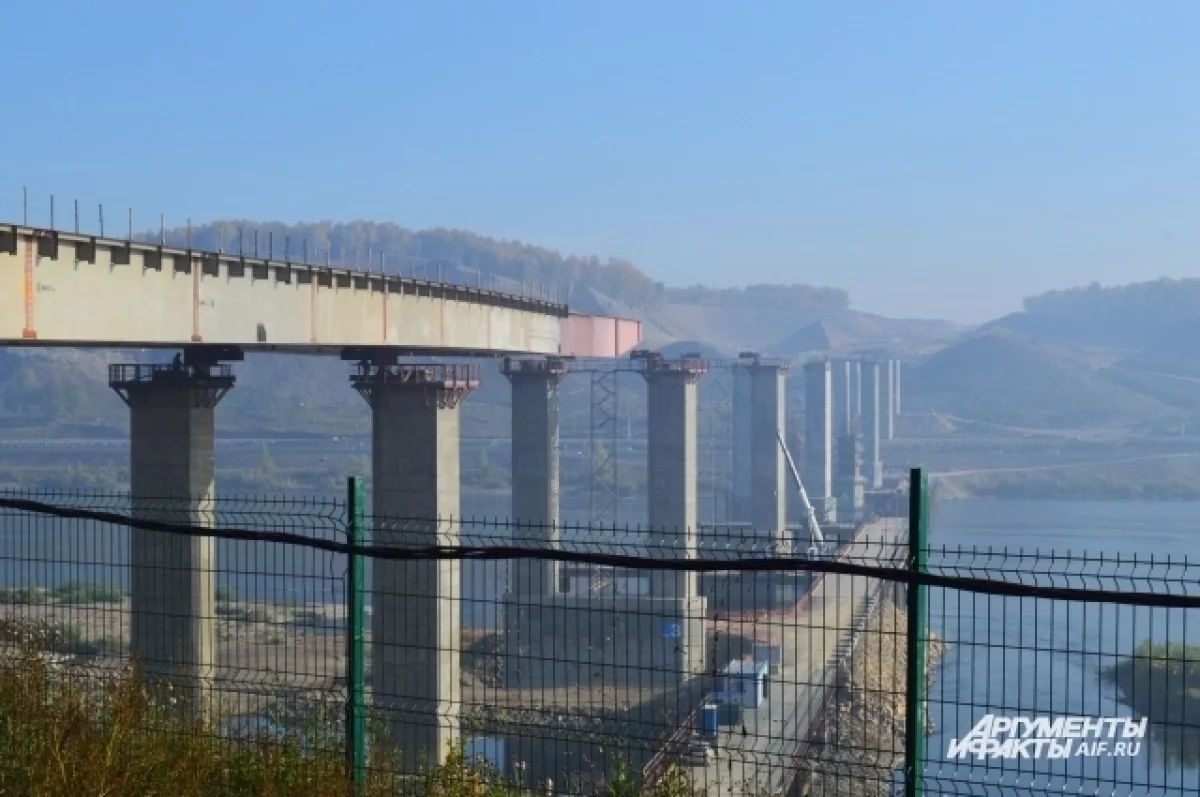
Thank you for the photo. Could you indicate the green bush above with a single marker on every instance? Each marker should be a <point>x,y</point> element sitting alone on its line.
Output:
<point>29,593</point>
<point>74,592</point>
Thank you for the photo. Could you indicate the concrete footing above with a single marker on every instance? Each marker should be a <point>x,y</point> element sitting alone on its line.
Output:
<point>416,617</point>
<point>171,473</point>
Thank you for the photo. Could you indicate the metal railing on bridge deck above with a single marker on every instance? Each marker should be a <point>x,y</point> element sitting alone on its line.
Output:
<point>285,251</point>
<point>349,646</point>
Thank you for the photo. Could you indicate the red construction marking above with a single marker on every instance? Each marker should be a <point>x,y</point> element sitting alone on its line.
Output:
<point>196,300</point>
<point>29,332</point>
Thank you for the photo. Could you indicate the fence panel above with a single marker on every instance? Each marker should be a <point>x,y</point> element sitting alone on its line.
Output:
<point>1030,657</point>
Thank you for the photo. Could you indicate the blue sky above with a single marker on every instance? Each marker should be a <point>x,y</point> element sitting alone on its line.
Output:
<point>932,158</point>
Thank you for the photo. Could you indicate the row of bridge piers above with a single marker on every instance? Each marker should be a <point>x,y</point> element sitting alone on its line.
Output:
<point>415,609</point>
<point>415,676</point>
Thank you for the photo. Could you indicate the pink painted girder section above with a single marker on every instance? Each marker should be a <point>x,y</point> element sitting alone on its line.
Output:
<point>599,336</point>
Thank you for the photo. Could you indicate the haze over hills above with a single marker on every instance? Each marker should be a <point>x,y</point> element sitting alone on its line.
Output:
<point>1092,355</point>
<point>1004,378</point>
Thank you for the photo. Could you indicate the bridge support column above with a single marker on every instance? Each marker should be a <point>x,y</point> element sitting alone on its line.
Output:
<point>171,474</point>
<point>743,413</point>
<point>871,420</point>
<point>818,439</point>
<point>887,398</point>
<point>416,617</point>
<point>535,473</point>
<point>671,454</point>
<point>767,466</point>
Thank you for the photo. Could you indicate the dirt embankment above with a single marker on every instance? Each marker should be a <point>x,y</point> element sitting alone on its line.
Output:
<point>863,736</point>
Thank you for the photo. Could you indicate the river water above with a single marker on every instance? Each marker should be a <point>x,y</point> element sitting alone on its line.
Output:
<point>1030,657</point>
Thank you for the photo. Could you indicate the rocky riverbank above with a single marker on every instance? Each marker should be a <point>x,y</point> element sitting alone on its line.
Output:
<point>862,742</point>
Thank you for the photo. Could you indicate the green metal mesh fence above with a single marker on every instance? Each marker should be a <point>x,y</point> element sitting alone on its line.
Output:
<point>386,644</point>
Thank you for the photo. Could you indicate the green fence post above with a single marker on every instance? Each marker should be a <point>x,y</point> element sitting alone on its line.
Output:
<point>914,715</point>
<point>356,745</point>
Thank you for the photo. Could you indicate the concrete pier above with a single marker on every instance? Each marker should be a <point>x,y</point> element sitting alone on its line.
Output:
<point>872,466</point>
<point>848,483</point>
<point>675,606</point>
<point>535,469</point>
<point>767,467</point>
<point>416,617</point>
<point>743,411</point>
<point>896,390</point>
<point>887,398</point>
<point>171,473</point>
<point>671,453</point>
<point>842,391</point>
<point>818,438</point>
<point>855,368</point>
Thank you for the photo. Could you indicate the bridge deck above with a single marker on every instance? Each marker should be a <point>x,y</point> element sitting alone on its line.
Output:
<point>62,289</point>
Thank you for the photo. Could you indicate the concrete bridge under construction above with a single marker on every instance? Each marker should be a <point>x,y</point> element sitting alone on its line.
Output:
<point>65,289</point>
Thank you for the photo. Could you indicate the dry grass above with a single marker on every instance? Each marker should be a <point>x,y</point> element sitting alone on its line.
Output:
<point>69,730</point>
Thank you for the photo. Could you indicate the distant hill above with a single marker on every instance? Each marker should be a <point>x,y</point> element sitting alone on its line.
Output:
<point>781,330</point>
<point>1001,377</point>
<point>1158,319</point>
<point>817,337</point>
<point>443,253</point>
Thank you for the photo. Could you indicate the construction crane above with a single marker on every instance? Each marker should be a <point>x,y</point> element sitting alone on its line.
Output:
<point>817,548</point>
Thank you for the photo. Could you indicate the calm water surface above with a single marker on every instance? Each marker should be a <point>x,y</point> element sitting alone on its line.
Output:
<point>1023,656</point>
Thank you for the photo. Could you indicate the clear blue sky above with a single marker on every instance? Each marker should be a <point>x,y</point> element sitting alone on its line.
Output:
<point>933,158</point>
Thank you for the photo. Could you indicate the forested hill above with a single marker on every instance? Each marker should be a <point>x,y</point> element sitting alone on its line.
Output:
<point>1160,299</point>
<point>356,243</point>
<point>796,296</point>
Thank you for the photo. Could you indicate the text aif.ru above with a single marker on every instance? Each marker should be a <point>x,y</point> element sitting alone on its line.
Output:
<point>1041,737</point>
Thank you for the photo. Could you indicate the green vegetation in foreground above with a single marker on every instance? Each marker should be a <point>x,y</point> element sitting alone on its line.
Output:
<point>1161,681</point>
<point>70,593</point>
<point>63,731</point>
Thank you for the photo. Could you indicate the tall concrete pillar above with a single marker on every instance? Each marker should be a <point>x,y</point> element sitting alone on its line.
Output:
<point>818,438</point>
<point>887,395</point>
<point>767,465</point>
<point>842,395</point>
<point>671,453</point>
<point>675,646</point>
<point>743,404</point>
<point>872,467</point>
<point>416,618</point>
<point>855,368</point>
<point>535,471</point>
<point>171,479</point>
<point>896,389</point>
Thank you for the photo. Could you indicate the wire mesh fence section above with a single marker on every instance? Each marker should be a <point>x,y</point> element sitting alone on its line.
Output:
<point>737,671</point>
<point>247,635</point>
<point>1024,657</point>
